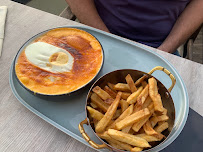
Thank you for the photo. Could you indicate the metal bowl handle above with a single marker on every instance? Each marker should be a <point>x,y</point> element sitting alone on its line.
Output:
<point>173,79</point>
<point>87,138</point>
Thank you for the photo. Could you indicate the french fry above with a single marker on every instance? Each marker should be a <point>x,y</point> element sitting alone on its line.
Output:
<point>155,96</point>
<point>117,114</point>
<point>126,113</point>
<point>122,87</point>
<point>114,145</point>
<point>93,105</point>
<point>161,127</point>
<point>127,129</point>
<point>124,105</point>
<point>101,93</point>
<point>127,138</point>
<point>95,121</point>
<point>125,95</point>
<point>140,80</point>
<point>108,115</point>
<point>153,90</point>
<point>153,120</point>
<point>110,92</point>
<point>148,138</point>
<point>129,120</point>
<point>99,102</point>
<point>111,141</point>
<point>147,102</point>
<point>136,126</point>
<point>148,128</point>
<point>111,86</point>
<point>136,149</point>
<point>144,84</point>
<point>137,108</point>
<point>131,83</point>
<point>143,95</point>
<point>133,97</point>
<point>109,101</point>
<point>94,113</point>
<point>162,118</point>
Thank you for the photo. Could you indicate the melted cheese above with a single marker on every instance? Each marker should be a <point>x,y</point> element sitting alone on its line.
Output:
<point>82,46</point>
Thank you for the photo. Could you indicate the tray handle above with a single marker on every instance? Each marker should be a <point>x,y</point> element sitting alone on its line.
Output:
<point>173,79</point>
<point>87,138</point>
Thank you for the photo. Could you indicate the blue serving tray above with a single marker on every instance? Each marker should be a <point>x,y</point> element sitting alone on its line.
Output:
<point>66,112</point>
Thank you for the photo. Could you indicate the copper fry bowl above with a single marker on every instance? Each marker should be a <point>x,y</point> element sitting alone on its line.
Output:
<point>118,76</point>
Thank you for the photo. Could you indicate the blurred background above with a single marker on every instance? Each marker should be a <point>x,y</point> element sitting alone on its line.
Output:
<point>58,6</point>
<point>51,6</point>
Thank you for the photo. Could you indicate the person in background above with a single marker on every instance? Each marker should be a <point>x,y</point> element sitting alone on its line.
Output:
<point>163,24</point>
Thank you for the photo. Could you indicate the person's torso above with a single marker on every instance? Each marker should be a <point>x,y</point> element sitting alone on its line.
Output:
<point>145,21</point>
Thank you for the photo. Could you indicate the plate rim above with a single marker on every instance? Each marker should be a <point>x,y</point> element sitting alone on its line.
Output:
<point>79,138</point>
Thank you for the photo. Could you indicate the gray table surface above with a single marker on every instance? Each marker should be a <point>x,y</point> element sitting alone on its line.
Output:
<point>20,129</point>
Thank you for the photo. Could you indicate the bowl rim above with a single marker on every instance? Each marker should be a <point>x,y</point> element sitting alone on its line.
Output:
<point>30,40</point>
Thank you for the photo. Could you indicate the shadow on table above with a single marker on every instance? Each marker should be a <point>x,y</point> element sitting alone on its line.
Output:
<point>191,138</point>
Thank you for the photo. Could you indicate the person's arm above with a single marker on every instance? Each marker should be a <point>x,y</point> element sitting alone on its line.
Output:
<point>188,22</point>
<point>86,12</point>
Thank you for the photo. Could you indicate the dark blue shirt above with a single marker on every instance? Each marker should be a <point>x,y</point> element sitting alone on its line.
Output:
<point>145,21</point>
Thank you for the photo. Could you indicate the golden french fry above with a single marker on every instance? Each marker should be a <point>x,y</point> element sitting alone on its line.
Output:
<point>110,140</point>
<point>148,129</point>
<point>153,90</point>
<point>117,114</point>
<point>95,122</point>
<point>137,108</point>
<point>151,108</point>
<point>127,138</point>
<point>153,120</point>
<point>136,126</point>
<point>155,96</point>
<point>129,120</point>
<point>144,84</point>
<point>99,102</point>
<point>162,118</point>
<point>110,92</point>
<point>94,113</point>
<point>136,149</point>
<point>124,105</point>
<point>108,115</point>
<point>93,105</point>
<point>147,102</point>
<point>148,138</point>
<point>114,145</point>
<point>133,97</point>
<point>101,93</point>
<point>140,80</point>
<point>161,127</point>
<point>143,95</point>
<point>111,86</point>
<point>122,87</point>
<point>125,95</point>
<point>109,101</point>
<point>126,113</point>
<point>131,83</point>
<point>127,129</point>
